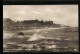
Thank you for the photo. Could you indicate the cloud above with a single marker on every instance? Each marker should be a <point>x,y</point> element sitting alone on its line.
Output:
<point>49,10</point>
<point>62,14</point>
<point>21,12</point>
<point>35,12</point>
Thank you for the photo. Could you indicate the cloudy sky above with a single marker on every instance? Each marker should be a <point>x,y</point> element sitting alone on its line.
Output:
<point>60,14</point>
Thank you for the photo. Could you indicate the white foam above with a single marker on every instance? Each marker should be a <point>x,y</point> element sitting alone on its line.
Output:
<point>11,43</point>
<point>35,37</point>
<point>53,46</point>
<point>7,35</point>
<point>4,45</point>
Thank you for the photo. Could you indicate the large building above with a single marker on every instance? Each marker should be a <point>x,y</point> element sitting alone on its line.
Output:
<point>10,24</point>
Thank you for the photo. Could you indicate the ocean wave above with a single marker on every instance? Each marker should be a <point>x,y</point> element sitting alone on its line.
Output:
<point>7,35</point>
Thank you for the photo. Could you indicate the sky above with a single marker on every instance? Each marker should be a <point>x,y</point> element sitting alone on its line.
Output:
<point>59,14</point>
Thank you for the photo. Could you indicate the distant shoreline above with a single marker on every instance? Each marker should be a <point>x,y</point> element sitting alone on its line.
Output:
<point>39,28</point>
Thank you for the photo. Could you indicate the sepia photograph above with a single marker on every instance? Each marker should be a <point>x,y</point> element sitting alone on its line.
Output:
<point>40,28</point>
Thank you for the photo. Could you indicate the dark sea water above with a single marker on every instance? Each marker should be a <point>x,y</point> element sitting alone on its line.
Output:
<point>54,39</point>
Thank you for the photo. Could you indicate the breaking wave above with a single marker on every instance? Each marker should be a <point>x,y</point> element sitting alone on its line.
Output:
<point>36,36</point>
<point>7,35</point>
